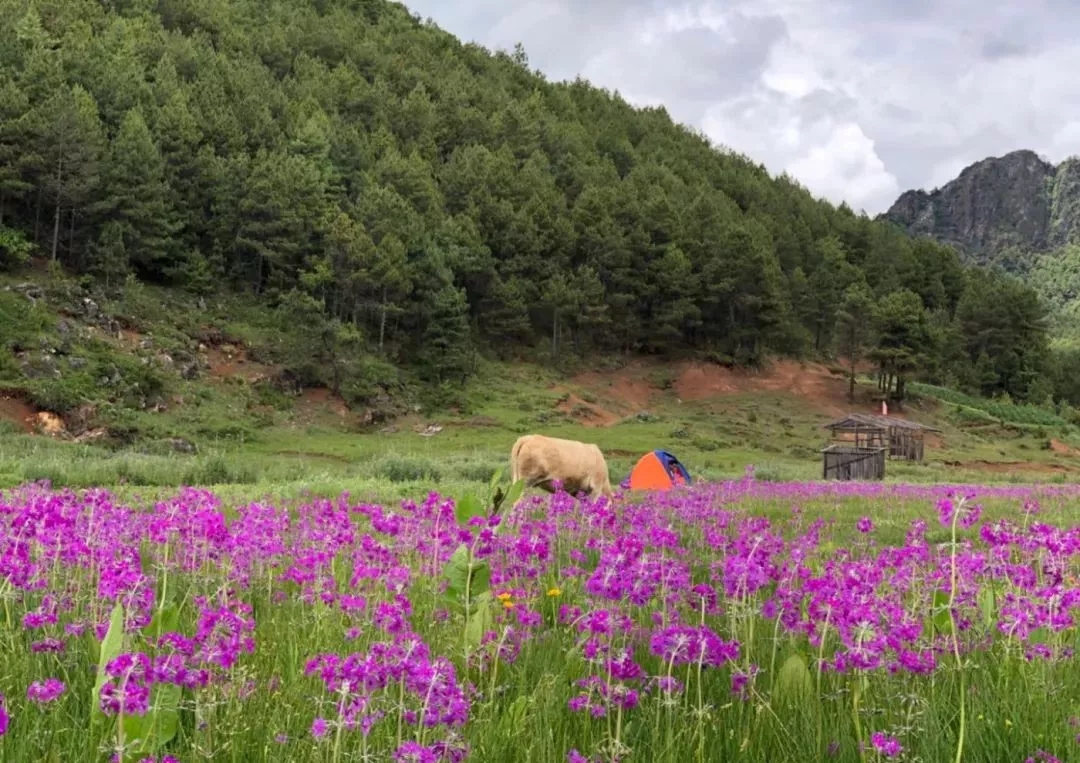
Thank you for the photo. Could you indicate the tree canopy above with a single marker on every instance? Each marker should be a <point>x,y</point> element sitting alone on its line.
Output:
<point>427,199</point>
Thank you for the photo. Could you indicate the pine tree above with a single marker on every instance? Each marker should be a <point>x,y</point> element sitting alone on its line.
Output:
<point>854,317</point>
<point>137,197</point>
<point>445,353</point>
<point>16,157</point>
<point>70,142</point>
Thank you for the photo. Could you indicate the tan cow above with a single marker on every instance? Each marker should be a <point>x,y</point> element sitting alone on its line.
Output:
<point>539,460</point>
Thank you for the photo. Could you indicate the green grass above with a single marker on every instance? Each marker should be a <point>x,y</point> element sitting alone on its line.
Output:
<point>254,434</point>
<point>716,440</point>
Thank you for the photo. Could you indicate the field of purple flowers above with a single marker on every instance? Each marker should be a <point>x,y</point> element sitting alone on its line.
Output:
<point>736,621</point>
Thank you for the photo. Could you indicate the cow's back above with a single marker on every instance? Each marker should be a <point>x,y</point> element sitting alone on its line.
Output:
<point>540,459</point>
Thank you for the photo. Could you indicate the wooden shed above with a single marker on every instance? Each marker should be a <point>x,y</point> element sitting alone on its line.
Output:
<point>848,462</point>
<point>902,439</point>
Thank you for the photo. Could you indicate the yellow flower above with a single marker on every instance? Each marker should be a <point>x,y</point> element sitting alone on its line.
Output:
<point>508,604</point>
<point>504,597</point>
<point>555,591</point>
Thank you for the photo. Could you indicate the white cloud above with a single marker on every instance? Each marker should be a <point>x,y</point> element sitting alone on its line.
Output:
<point>857,99</point>
<point>845,167</point>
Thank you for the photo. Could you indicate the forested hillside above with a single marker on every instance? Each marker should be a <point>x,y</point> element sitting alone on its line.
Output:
<point>409,196</point>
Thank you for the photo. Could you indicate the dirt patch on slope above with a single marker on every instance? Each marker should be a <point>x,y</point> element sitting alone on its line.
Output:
<point>637,386</point>
<point>587,414</point>
<point>1007,467</point>
<point>813,382</point>
<point>19,412</point>
<point>317,400</point>
<point>628,387</point>
<point>231,360</point>
<point>1062,449</point>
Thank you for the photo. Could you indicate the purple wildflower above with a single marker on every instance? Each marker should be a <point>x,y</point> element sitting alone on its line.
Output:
<point>45,691</point>
<point>886,745</point>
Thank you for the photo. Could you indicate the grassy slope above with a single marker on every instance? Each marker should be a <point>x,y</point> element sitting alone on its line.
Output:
<point>249,434</point>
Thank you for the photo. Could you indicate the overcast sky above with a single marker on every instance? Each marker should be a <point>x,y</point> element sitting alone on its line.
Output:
<point>858,99</point>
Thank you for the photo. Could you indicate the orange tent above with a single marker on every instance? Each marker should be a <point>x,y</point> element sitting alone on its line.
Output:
<point>658,470</point>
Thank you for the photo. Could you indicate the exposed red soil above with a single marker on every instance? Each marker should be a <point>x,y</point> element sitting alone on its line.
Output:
<point>1006,467</point>
<point>634,388</point>
<point>230,360</point>
<point>1062,449</point>
<point>587,414</point>
<point>627,387</point>
<point>814,383</point>
<point>130,339</point>
<point>317,399</point>
<point>823,390</point>
<point>18,412</point>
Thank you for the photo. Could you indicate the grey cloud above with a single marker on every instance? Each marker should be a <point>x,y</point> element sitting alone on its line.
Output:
<point>821,104</point>
<point>691,68</point>
<point>996,48</point>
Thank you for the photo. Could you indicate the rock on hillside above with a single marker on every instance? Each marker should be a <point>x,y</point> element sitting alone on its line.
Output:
<point>998,208</point>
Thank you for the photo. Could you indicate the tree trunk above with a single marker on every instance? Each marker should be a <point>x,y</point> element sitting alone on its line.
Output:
<point>37,217</point>
<point>56,230</point>
<point>851,381</point>
<point>56,215</point>
<point>382,322</point>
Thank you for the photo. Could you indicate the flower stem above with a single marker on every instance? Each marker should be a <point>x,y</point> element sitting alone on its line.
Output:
<point>956,638</point>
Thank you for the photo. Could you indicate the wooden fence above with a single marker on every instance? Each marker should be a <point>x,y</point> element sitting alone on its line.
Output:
<point>846,462</point>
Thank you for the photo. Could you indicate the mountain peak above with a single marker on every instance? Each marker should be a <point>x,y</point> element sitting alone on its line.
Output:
<point>996,206</point>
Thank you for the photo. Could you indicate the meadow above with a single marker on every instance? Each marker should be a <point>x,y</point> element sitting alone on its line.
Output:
<point>734,620</point>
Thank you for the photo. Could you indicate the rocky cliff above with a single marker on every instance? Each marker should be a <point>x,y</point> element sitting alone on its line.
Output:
<point>1002,209</point>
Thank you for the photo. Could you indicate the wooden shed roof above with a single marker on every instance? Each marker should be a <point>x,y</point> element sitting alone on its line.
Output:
<point>872,421</point>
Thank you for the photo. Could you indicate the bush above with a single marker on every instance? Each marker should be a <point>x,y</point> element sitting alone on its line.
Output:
<point>368,379</point>
<point>477,472</point>
<point>408,470</point>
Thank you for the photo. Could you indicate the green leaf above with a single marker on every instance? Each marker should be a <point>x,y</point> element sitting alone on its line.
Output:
<point>481,578</point>
<point>514,493</point>
<point>459,571</point>
<point>1039,636</point>
<point>479,622</point>
<point>794,684</point>
<point>512,719</point>
<point>111,647</point>
<point>165,620</point>
<point>495,479</point>
<point>468,508</point>
<point>986,604</point>
<point>941,618</point>
<point>150,732</point>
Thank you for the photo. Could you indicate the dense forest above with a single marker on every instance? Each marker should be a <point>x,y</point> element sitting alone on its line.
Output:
<point>419,199</point>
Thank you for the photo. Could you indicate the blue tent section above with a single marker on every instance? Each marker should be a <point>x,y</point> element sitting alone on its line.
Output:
<point>672,464</point>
